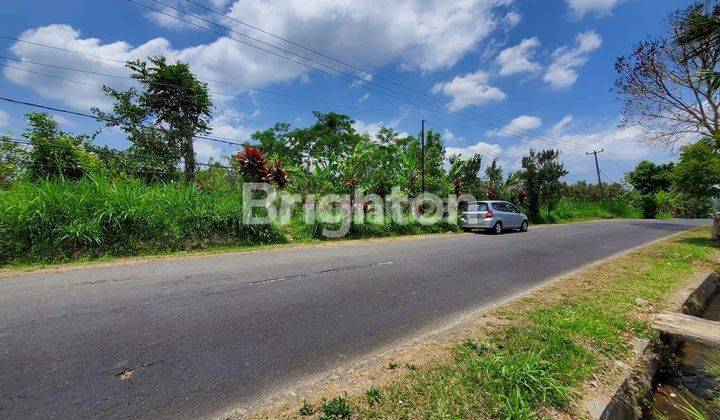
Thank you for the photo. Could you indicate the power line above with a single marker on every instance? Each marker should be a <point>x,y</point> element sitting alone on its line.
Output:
<point>359,69</point>
<point>98,118</point>
<point>240,118</point>
<point>199,78</point>
<point>226,94</point>
<point>234,96</point>
<point>353,79</point>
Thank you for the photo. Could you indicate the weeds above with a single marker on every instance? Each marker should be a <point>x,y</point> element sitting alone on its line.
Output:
<point>59,220</point>
<point>373,396</point>
<point>337,408</point>
<point>307,409</point>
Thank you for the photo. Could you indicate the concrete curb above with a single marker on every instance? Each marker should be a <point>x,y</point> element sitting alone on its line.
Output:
<point>637,381</point>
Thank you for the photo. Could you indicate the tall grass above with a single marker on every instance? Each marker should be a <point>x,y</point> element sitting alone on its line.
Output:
<point>58,220</point>
<point>569,210</point>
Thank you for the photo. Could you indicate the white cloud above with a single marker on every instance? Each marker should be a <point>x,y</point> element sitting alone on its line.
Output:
<point>580,8</point>
<point>448,135</point>
<point>469,89</point>
<point>622,145</point>
<point>364,97</point>
<point>562,72</point>
<point>221,60</point>
<point>4,118</point>
<point>561,125</point>
<point>226,126</point>
<point>489,151</point>
<point>518,59</point>
<point>205,150</point>
<point>424,34</point>
<point>511,19</point>
<point>517,127</point>
<point>373,128</point>
<point>171,18</point>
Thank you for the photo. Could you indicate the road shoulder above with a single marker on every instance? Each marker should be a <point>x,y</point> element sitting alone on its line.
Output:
<point>400,371</point>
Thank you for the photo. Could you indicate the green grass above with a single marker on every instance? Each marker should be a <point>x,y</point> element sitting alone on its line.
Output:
<point>555,341</point>
<point>57,220</point>
<point>568,211</point>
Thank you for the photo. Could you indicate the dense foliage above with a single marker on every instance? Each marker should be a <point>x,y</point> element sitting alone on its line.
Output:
<point>59,219</point>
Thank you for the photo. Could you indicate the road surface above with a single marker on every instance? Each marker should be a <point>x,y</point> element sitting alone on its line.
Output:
<point>199,336</point>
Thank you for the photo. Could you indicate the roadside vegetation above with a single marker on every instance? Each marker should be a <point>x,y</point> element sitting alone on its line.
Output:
<point>64,197</point>
<point>551,344</point>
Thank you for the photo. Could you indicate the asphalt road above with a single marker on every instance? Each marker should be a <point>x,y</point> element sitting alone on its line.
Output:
<point>208,334</point>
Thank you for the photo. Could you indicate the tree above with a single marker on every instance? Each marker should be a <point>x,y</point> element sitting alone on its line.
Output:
<point>494,174</point>
<point>659,84</point>
<point>435,178</point>
<point>276,142</point>
<point>332,136</point>
<point>697,174</point>
<point>54,153</point>
<point>466,172</point>
<point>14,160</point>
<point>541,180</point>
<point>648,178</point>
<point>531,185</point>
<point>162,120</point>
<point>550,171</point>
<point>702,31</point>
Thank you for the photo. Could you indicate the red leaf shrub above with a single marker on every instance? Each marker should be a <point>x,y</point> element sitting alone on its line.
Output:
<point>255,167</point>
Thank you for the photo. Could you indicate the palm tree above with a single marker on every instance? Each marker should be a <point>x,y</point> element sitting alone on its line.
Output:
<point>701,31</point>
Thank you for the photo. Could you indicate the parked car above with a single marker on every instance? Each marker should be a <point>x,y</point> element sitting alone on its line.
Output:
<point>493,215</point>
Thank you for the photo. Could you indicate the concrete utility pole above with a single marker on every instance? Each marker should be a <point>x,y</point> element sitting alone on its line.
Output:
<point>597,169</point>
<point>422,157</point>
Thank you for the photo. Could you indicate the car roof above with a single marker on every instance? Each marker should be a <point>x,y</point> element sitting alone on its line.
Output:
<point>487,201</point>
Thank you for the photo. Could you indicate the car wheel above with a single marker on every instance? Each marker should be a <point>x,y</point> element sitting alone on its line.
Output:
<point>497,229</point>
<point>524,226</point>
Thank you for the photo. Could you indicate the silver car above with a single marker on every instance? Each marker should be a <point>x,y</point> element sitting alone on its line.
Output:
<point>492,215</point>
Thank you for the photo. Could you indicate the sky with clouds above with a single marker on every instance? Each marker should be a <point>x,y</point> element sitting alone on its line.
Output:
<point>495,77</point>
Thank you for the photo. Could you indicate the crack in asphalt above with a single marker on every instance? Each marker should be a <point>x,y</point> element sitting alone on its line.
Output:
<point>318,273</point>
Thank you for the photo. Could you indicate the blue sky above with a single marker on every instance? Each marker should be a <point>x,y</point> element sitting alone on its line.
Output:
<point>506,75</point>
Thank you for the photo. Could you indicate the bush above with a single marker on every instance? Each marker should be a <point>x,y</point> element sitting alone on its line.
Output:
<point>649,206</point>
<point>59,220</point>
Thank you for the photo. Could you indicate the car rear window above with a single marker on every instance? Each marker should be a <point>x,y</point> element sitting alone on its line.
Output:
<point>477,207</point>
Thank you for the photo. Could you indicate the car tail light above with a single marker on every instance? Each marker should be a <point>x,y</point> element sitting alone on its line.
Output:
<point>488,215</point>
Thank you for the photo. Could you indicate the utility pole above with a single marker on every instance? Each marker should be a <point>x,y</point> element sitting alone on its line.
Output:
<point>422,157</point>
<point>597,169</point>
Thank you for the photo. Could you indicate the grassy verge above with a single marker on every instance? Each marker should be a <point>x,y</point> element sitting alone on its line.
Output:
<point>93,219</point>
<point>58,220</point>
<point>551,343</point>
<point>572,211</point>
